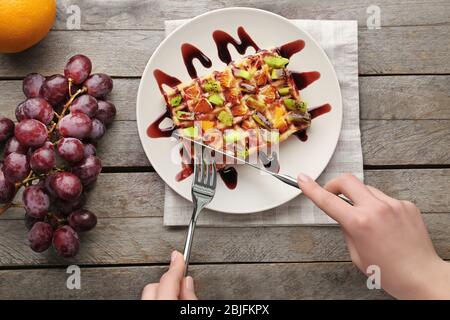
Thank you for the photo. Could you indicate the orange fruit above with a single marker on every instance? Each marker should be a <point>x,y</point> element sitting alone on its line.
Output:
<point>23,23</point>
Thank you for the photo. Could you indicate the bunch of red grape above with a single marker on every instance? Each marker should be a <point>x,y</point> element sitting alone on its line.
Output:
<point>51,152</point>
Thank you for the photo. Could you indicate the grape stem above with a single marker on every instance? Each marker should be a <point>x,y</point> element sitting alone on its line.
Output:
<point>5,207</point>
<point>67,105</point>
<point>27,180</point>
<point>70,86</point>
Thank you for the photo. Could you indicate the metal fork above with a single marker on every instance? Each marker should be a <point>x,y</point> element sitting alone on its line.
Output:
<point>203,190</point>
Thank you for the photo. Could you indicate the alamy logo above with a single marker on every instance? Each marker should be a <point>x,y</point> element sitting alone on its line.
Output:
<point>374,18</point>
<point>74,280</point>
<point>374,279</point>
<point>74,19</point>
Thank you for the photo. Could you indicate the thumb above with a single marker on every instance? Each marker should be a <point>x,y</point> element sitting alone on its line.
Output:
<point>170,282</point>
<point>187,289</point>
<point>328,202</point>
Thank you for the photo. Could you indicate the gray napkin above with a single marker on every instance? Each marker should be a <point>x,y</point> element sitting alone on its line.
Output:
<point>339,39</point>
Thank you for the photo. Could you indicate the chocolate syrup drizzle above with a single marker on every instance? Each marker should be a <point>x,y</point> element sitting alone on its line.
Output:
<point>190,53</point>
<point>304,79</point>
<point>163,78</point>
<point>222,40</point>
<point>289,49</point>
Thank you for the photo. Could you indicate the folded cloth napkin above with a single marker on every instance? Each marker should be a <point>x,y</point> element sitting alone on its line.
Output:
<point>339,39</point>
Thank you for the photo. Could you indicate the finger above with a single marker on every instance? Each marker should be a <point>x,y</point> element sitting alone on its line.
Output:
<point>149,292</point>
<point>333,206</point>
<point>169,285</point>
<point>351,187</point>
<point>354,255</point>
<point>188,289</point>
<point>381,196</point>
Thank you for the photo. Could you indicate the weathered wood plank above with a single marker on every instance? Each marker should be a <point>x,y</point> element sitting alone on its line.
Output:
<point>145,240</point>
<point>386,51</point>
<point>150,14</point>
<point>118,53</point>
<point>398,50</point>
<point>405,142</point>
<point>384,97</point>
<point>123,96</point>
<point>385,142</point>
<point>236,281</point>
<point>429,189</point>
<point>120,146</point>
<point>405,97</point>
<point>397,142</point>
<point>118,195</point>
<point>142,194</point>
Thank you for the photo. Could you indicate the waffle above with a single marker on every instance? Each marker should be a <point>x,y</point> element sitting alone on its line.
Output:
<point>252,103</point>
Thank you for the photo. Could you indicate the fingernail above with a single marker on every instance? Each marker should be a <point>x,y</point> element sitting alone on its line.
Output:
<point>173,257</point>
<point>304,178</point>
<point>189,283</point>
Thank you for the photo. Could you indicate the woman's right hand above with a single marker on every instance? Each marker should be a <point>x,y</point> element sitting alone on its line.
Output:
<point>386,232</point>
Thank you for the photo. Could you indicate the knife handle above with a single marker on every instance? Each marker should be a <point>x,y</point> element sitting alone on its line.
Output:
<point>293,182</point>
<point>288,180</point>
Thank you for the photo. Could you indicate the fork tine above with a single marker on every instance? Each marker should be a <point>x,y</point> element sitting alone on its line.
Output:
<point>197,163</point>
<point>214,183</point>
<point>202,165</point>
<point>206,166</point>
<point>213,178</point>
<point>211,170</point>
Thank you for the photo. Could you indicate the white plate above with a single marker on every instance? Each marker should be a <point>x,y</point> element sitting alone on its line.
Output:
<point>254,192</point>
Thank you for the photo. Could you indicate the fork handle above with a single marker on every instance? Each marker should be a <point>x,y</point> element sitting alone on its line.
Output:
<point>190,237</point>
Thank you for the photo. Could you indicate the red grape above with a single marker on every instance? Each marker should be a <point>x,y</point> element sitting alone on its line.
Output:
<point>55,89</point>
<point>48,182</point>
<point>85,104</point>
<point>20,115</point>
<point>40,236</point>
<point>98,85</point>
<point>16,167</point>
<point>39,109</point>
<point>66,186</point>
<point>31,133</point>
<point>78,68</point>
<point>67,207</point>
<point>43,159</point>
<point>106,112</point>
<point>77,125</point>
<point>82,220</point>
<point>49,145</point>
<point>30,221</point>
<point>7,189</point>
<point>66,241</point>
<point>6,128</point>
<point>36,201</point>
<point>71,149</point>
<point>88,169</point>
<point>98,130</point>
<point>12,145</point>
<point>32,84</point>
<point>89,150</point>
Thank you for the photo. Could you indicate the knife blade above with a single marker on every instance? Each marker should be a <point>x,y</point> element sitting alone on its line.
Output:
<point>282,177</point>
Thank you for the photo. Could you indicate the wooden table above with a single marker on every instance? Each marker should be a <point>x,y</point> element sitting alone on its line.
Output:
<point>404,84</point>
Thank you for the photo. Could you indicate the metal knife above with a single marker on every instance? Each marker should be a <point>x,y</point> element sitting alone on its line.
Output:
<point>282,177</point>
